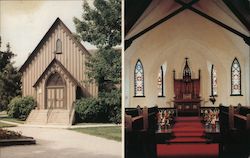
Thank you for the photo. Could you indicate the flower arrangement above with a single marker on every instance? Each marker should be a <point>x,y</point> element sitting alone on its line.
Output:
<point>165,118</point>
<point>210,117</point>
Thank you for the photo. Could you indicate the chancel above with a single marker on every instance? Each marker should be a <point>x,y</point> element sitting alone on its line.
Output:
<point>187,65</point>
<point>187,92</point>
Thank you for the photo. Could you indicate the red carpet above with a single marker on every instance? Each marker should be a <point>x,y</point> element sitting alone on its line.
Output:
<point>188,142</point>
<point>187,150</point>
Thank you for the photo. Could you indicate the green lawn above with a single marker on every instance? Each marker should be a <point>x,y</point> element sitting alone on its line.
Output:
<point>2,125</point>
<point>113,133</point>
<point>90,124</point>
<point>6,118</point>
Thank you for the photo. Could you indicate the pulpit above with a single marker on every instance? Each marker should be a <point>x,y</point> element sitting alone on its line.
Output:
<point>187,92</point>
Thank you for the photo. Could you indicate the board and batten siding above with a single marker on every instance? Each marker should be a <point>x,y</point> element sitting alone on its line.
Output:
<point>72,58</point>
<point>69,91</point>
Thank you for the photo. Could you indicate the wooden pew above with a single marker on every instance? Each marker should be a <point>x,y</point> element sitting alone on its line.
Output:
<point>140,133</point>
<point>226,118</point>
<point>133,134</point>
<point>235,131</point>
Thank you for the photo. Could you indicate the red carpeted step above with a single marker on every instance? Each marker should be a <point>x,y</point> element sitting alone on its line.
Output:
<point>188,130</point>
<point>188,140</point>
<point>193,125</point>
<point>186,119</point>
<point>188,151</point>
<point>188,134</point>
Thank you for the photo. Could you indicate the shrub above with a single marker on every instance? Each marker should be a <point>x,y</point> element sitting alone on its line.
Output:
<point>90,110</point>
<point>113,101</point>
<point>105,108</point>
<point>20,107</point>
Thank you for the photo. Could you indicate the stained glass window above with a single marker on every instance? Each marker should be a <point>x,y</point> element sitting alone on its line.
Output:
<point>160,81</point>
<point>214,81</point>
<point>139,79</point>
<point>235,78</point>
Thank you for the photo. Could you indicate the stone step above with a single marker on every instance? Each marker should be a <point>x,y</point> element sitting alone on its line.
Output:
<point>59,117</point>
<point>52,117</point>
<point>37,117</point>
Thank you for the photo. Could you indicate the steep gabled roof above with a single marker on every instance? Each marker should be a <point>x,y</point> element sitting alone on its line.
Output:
<point>46,36</point>
<point>68,74</point>
<point>55,61</point>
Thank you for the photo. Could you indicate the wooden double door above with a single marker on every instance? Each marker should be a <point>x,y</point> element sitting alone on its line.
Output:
<point>56,98</point>
<point>55,92</point>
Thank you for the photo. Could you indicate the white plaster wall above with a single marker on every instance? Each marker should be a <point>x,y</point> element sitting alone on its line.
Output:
<point>187,35</point>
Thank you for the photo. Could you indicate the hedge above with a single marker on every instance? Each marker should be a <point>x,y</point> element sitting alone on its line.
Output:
<point>20,107</point>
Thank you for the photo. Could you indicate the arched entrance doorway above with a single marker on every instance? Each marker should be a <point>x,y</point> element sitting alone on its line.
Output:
<point>55,92</point>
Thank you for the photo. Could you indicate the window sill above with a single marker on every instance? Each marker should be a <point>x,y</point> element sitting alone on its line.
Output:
<point>236,95</point>
<point>213,96</point>
<point>139,96</point>
<point>161,96</point>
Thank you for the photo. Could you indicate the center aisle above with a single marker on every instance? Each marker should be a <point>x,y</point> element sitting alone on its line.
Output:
<point>189,141</point>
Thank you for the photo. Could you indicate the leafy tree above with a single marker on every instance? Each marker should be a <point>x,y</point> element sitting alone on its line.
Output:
<point>101,26</point>
<point>5,57</point>
<point>104,67</point>
<point>10,79</point>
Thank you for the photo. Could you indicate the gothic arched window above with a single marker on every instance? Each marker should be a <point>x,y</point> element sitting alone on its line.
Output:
<point>55,80</point>
<point>160,81</point>
<point>58,46</point>
<point>235,78</point>
<point>139,79</point>
<point>214,91</point>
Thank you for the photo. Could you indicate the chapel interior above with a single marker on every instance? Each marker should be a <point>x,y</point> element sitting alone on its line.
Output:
<point>187,79</point>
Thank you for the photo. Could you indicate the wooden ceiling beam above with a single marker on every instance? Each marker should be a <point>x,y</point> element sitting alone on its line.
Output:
<point>243,36</point>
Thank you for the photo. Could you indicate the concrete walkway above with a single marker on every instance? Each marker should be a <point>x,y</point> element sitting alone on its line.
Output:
<point>62,143</point>
<point>63,126</point>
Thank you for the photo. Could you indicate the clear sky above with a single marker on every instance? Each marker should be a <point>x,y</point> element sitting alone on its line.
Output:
<point>24,23</point>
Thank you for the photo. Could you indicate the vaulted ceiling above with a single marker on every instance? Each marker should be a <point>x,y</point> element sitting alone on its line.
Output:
<point>135,8</point>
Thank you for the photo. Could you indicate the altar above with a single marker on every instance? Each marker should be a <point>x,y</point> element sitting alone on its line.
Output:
<point>187,92</point>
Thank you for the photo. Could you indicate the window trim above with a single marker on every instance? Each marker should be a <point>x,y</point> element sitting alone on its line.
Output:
<point>58,51</point>
<point>143,92</point>
<point>235,59</point>
<point>212,82</point>
<point>162,83</point>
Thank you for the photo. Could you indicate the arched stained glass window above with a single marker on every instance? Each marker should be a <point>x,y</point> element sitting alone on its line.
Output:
<point>139,79</point>
<point>213,81</point>
<point>160,81</point>
<point>58,46</point>
<point>235,78</point>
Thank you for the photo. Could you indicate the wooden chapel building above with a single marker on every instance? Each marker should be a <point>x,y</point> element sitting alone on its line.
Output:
<point>54,75</point>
